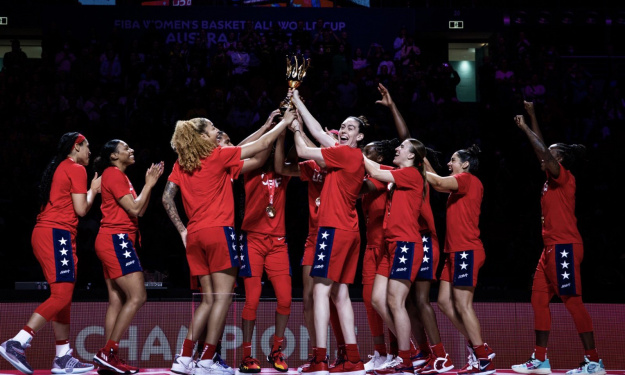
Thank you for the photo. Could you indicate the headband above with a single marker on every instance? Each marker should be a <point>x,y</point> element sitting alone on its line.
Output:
<point>80,139</point>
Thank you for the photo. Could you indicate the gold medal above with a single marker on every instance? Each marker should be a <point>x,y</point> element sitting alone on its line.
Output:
<point>271,211</point>
<point>318,201</point>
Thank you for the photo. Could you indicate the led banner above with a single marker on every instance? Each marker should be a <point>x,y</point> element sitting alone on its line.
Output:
<point>157,332</point>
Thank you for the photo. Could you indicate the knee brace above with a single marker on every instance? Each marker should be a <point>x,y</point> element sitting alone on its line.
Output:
<point>57,306</point>
<point>253,288</point>
<point>542,314</point>
<point>282,289</point>
<point>578,311</point>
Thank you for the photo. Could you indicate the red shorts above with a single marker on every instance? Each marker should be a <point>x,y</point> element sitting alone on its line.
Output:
<point>336,255</point>
<point>210,250</point>
<point>117,254</point>
<point>431,255</point>
<point>370,262</point>
<point>461,268</point>
<point>264,252</point>
<point>404,258</point>
<point>55,249</point>
<point>558,270</point>
<point>309,250</point>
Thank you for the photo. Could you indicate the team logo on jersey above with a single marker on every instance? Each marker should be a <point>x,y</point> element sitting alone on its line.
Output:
<point>323,250</point>
<point>402,261</point>
<point>63,255</point>
<point>565,269</point>
<point>426,271</point>
<point>244,269</point>
<point>463,268</point>
<point>126,254</point>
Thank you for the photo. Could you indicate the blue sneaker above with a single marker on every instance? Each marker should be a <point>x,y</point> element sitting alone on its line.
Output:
<point>588,367</point>
<point>13,352</point>
<point>224,366</point>
<point>67,364</point>
<point>533,366</point>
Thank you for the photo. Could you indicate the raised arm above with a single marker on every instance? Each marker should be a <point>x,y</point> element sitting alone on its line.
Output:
<point>266,140</point>
<point>169,194</point>
<point>374,171</point>
<point>542,152</point>
<point>262,130</point>
<point>388,102</point>
<point>531,112</point>
<point>82,202</point>
<point>255,161</point>
<point>445,184</point>
<point>279,160</point>
<point>303,151</point>
<point>136,207</point>
<point>312,124</point>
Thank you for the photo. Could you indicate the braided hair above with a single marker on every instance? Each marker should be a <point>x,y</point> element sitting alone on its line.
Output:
<point>572,155</point>
<point>63,149</point>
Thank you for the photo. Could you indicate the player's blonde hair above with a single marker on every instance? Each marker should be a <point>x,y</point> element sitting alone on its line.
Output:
<point>188,143</point>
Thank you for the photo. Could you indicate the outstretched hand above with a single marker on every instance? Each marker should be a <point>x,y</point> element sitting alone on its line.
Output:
<point>386,100</point>
<point>272,117</point>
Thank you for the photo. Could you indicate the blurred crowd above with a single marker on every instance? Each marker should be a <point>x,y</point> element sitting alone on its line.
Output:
<point>106,87</point>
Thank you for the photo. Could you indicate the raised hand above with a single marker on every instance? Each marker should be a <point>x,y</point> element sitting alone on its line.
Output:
<point>96,184</point>
<point>386,100</point>
<point>529,107</point>
<point>520,121</point>
<point>153,173</point>
<point>271,118</point>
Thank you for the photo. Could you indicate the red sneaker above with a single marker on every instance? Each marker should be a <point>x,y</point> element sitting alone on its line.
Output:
<point>346,367</point>
<point>482,366</point>
<point>111,362</point>
<point>249,365</point>
<point>277,360</point>
<point>316,368</point>
<point>436,365</point>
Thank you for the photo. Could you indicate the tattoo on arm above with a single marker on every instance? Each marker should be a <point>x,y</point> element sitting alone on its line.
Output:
<point>170,192</point>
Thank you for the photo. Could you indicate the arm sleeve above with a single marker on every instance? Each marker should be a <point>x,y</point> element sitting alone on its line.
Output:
<point>118,184</point>
<point>78,177</point>
<point>335,157</point>
<point>464,182</point>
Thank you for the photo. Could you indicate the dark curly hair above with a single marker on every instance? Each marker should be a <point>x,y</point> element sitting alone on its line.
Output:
<point>572,155</point>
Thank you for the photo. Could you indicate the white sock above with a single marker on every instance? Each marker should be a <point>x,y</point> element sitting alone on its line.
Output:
<point>23,337</point>
<point>61,350</point>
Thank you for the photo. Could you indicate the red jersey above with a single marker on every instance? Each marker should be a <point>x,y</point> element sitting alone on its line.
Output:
<point>463,215</point>
<point>558,206</point>
<point>69,178</point>
<point>261,188</point>
<point>426,219</point>
<point>401,223</point>
<point>346,169</point>
<point>207,191</point>
<point>115,185</point>
<point>311,172</point>
<point>374,209</point>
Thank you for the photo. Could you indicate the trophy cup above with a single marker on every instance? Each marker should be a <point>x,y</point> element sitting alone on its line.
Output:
<point>296,67</point>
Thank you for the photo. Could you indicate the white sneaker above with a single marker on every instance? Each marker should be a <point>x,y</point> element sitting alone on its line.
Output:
<point>376,361</point>
<point>533,366</point>
<point>67,364</point>
<point>208,367</point>
<point>390,362</point>
<point>588,367</point>
<point>183,365</point>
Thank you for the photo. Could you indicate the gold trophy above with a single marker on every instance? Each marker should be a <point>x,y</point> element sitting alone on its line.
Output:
<point>296,66</point>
